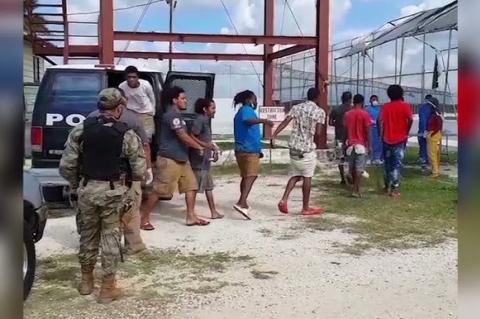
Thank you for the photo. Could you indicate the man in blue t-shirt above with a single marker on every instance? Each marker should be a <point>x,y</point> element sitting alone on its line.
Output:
<point>248,145</point>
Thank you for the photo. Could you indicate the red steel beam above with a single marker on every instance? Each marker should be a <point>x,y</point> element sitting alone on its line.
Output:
<point>74,50</point>
<point>321,60</point>
<point>39,5</point>
<point>106,34</point>
<point>289,51</point>
<point>189,56</point>
<point>213,38</point>
<point>93,51</point>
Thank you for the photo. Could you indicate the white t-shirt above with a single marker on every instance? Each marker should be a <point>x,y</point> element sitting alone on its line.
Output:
<point>140,99</point>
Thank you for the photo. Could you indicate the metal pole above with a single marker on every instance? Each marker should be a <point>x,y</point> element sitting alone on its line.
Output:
<point>230,80</point>
<point>401,61</point>
<point>364,84</point>
<point>351,72</point>
<point>396,59</point>
<point>281,83</point>
<point>358,72</point>
<point>448,68</point>
<point>170,30</point>
<point>336,80</point>
<point>291,80</point>
<point>423,66</point>
<point>330,79</point>
<point>373,69</point>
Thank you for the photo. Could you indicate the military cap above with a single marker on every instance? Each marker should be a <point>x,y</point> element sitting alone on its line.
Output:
<point>109,98</point>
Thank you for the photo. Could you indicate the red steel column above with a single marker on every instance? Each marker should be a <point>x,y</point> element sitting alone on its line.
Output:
<point>267,63</point>
<point>268,49</point>
<point>66,40</point>
<point>105,34</point>
<point>321,60</point>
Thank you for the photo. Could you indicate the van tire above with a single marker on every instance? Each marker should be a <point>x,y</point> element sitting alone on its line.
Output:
<point>29,260</point>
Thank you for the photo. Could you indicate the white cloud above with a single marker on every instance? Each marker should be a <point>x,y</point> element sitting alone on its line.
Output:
<point>425,5</point>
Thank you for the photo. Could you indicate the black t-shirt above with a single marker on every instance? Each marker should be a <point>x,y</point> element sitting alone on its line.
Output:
<point>170,145</point>
<point>337,115</point>
<point>201,129</point>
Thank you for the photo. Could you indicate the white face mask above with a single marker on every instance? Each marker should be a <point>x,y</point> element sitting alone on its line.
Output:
<point>375,103</point>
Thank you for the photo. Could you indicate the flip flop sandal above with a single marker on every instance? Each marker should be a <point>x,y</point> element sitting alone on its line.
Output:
<point>283,208</point>
<point>218,217</point>
<point>314,211</point>
<point>147,226</point>
<point>199,222</point>
<point>243,211</point>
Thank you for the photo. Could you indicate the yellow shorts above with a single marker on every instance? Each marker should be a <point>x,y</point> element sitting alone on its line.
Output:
<point>148,124</point>
<point>249,164</point>
<point>171,175</point>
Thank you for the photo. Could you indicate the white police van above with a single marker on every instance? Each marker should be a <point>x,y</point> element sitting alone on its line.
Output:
<point>68,93</point>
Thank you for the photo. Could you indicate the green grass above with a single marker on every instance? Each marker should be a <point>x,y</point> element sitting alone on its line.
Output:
<point>267,169</point>
<point>227,146</point>
<point>411,157</point>
<point>425,215</point>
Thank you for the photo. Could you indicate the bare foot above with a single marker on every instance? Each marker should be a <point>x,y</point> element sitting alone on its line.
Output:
<point>195,221</point>
<point>217,215</point>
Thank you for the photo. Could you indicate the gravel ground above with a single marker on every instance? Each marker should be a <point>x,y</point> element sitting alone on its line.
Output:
<point>293,272</point>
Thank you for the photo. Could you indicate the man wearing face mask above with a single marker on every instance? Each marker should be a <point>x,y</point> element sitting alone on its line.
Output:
<point>374,110</point>
<point>100,154</point>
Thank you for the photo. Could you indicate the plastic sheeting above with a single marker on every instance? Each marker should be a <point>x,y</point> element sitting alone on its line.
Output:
<point>430,21</point>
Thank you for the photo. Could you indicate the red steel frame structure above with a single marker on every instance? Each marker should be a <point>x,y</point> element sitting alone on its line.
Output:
<point>105,52</point>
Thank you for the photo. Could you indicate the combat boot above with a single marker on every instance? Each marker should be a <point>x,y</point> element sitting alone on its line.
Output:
<point>86,285</point>
<point>109,292</point>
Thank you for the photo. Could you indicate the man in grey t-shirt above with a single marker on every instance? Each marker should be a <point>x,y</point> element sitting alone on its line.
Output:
<point>173,168</point>
<point>201,165</point>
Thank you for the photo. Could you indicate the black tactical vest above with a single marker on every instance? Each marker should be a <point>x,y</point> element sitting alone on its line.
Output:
<point>102,147</point>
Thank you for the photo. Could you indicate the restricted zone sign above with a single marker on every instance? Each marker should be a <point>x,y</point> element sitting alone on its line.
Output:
<point>275,114</point>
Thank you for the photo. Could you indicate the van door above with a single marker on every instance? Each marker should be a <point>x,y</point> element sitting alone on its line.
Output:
<point>196,85</point>
<point>64,99</point>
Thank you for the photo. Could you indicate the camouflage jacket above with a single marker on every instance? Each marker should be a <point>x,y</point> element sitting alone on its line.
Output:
<point>132,151</point>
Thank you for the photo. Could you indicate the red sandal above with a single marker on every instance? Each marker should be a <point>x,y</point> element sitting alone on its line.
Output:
<point>147,226</point>
<point>283,207</point>
<point>314,211</point>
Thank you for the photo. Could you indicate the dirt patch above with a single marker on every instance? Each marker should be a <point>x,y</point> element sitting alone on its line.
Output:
<point>236,268</point>
<point>153,281</point>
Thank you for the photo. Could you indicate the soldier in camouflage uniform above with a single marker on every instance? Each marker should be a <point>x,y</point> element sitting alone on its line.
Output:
<point>98,156</point>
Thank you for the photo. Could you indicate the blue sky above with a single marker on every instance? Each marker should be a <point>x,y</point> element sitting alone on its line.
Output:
<point>349,18</point>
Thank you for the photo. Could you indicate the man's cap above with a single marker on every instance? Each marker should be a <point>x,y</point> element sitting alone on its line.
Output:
<point>109,98</point>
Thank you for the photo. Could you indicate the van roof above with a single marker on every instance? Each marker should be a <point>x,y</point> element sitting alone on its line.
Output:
<point>96,67</point>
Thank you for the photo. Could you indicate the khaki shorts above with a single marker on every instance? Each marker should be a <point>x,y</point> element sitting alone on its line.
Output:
<point>249,164</point>
<point>171,175</point>
<point>305,166</point>
<point>148,124</point>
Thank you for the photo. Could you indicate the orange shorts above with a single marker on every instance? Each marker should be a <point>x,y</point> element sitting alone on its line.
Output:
<point>249,164</point>
<point>171,175</point>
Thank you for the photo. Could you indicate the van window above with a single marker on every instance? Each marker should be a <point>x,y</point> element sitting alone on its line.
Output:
<point>194,89</point>
<point>74,92</point>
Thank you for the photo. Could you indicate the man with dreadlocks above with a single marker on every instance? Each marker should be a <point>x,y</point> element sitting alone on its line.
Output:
<point>248,145</point>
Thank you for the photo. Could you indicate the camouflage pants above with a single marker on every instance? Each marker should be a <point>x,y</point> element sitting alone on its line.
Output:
<point>131,220</point>
<point>99,210</point>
